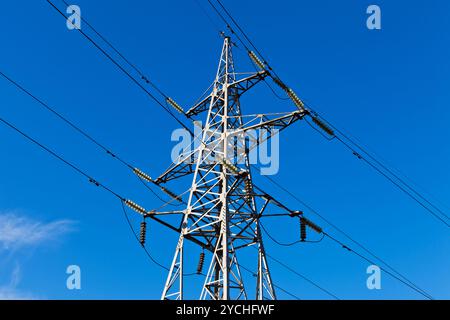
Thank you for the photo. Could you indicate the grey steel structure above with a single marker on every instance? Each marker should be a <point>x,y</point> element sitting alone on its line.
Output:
<point>224,206</point>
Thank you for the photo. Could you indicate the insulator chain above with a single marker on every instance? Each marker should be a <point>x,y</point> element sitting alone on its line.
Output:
<point>257,61</point>
<point>231,167</point>
<point>136,207</point>
<point>322,125</point>
<point>201,262</point>
<point>142,175</point>
<point>175,105</point>
<point>302,230</point>
<point>248,188</point>
<point>171,194</point>
<point>143,233</point>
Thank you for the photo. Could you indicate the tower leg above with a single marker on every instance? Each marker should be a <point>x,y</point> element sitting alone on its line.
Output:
<point>172,290</point>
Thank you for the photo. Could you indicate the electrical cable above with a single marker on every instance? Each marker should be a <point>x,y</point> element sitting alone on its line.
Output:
<point>147,252</point>
<point>292,270</point>
<point>274,285</point>
<point>92,180</point>
<point>256,49</point>
<point>421,292</point>
<point>121,68</point>
<point>290,244</point>
<point>378,162</point>
<point>384,167</point>
<point>359,156</point>
<point>74,167</point>
<point>228,25</point>
<point>233,32</point>
<point>133,66</point>
<point>137,239</point>
<point>211,20</point>
<point>75,127</point>
<point>334,226</point>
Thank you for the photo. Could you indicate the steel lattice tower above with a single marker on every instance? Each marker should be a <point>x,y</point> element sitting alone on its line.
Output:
<point>224,206</point>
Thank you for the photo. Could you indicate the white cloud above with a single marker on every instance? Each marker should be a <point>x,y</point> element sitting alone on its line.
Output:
<point>18,231</point>
<point>10,291</point>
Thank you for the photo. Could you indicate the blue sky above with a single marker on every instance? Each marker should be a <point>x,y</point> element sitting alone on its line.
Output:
<point>389,88</point>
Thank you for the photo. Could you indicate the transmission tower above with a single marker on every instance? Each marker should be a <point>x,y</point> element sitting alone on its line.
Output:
<point>224,207</point>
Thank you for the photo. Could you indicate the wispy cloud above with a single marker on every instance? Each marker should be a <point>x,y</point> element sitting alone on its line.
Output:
<point>11,292</point>
<point>17,231</point>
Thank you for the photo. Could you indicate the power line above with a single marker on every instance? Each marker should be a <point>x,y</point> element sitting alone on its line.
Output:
<point>228,25</point>
<point>276,286</point>
<point>390,178</point>
<point>292,270</point>
<point>75,127</point>
<point>359,156</point>
<point>137,239</point>
<point>114,48</point>
<point>121,68</point>
<point>84,174</point>
<point>133,78</point>
<point>147,252</point>
<point>245,36</point>
<point>210,19</point>
<point>334,226</point>
<point>265,61</point>
<point>290,244</point>
<point>74,167</point>
<point>227,12</point>
<point>98,184</point>
<point>421,292</point>
<point>404,281</point>
<point>407,283</point>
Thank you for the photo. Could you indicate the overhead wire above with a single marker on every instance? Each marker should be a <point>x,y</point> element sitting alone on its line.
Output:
<point>267,64</point>
<point>60,158</point>
<point>86,175</point>
<point>244,34</point>
<point>144,89</point>
<point>144,247</point>
<point>211,20</point>
<point>120,54</point>
<point>346,247</point>
<point>75,127</point>
<point>294,271</point>
<point>402,188</point>
<point>128,74</point>
<point>283,244</point>
<point>341,231</point>
<point>390,175</point>
<point>274,285</point>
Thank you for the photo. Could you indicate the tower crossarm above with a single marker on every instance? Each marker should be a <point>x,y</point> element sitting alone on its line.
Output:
<point>268,200</point>
<point>278,123</point>
<point>241,87</point>
<point>179,170</point>
<point>247,83</point>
